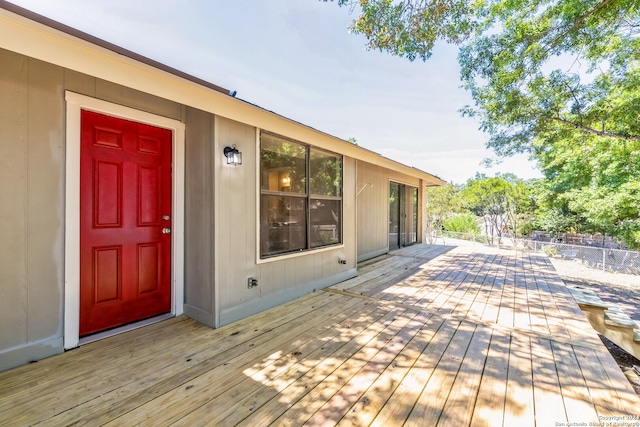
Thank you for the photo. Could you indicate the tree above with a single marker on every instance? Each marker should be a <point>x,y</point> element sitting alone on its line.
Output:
<point>520,205</point>
<point>551,211</point>
<point>411,28</point>
<point>558,79</point>
<point>463,223</point>
<point>499,201</point>
<point>510,53</point>
<point>596,182</point>
<point>441,203</point>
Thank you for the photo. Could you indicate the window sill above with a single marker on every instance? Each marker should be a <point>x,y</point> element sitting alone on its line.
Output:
<point>307,252</point>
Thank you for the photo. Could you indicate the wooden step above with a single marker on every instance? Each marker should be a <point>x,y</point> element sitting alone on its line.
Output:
<point>612,314</point>
<point>616,317</point>
<point>587,297</point>
<point>609,320</point>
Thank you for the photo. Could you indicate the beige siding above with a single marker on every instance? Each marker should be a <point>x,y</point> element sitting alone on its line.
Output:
<point>31,211</point>
<point>199,236</point>
<point>279,279</point>
<point>373,207</point>
<point>137,99</point>
<point>236,214</point>
<point>221,201</point>
<point>80,83</point>
<point>14,103</point>
<point>45,213</point>
<point>31,224</point>
<point>32,179</point>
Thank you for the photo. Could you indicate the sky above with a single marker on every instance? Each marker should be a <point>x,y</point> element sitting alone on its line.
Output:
<point>298,59</point>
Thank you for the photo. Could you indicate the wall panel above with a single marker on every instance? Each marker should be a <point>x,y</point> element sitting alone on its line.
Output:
<point>14,72</point>
<point>32,171</point>
<point>373,207</point>
<point>45,213</point>
<point>280,279</point>
<point>236,214</point>
<point>137,99</point>
<point>199,235</point>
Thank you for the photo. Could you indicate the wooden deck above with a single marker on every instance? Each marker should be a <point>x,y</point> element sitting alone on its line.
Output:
<point>429,335</point>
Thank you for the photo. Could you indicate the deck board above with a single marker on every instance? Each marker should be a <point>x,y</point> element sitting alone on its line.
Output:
<point>519,402</point>
<point>546,385</point>
<point>490,403</point>
<point>427,335</point>
<point>430,404</point>
<point>464,392</point>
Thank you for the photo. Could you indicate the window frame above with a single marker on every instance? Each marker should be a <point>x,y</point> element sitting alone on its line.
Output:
<point>307,196</point>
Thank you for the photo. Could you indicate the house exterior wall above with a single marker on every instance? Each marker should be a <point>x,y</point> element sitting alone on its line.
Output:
<point>31,211</point>
<point>199,302</point>
<point>38,65</point>
<point>32,168</point>
<point>221,234</point>
<point>373,207</point>
<point>281,278</point>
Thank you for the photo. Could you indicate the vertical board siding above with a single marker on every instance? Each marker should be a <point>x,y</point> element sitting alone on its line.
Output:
<point>136,99</point>
<point>349,221</point>
<point>373,206</point>
<point>13,196</point>
<point>79,83</point>
<point>235,224</point>
<point>199,213</point>
<point>45,193</point>
<point>32,180</point>
<point>281,278</point>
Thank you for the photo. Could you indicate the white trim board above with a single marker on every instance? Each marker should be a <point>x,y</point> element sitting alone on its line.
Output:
<point>76,103</point>
<point>36,40</point>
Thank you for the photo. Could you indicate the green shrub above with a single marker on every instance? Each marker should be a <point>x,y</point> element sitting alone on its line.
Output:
<point>551,251</point>
<point>463,223</point>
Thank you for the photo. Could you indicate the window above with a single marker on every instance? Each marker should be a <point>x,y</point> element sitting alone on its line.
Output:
<point>300,196</point>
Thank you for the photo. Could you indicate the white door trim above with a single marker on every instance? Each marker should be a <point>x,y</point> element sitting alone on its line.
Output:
<point>76,103</point>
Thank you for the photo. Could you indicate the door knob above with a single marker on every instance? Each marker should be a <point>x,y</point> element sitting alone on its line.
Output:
<point>166,230</point>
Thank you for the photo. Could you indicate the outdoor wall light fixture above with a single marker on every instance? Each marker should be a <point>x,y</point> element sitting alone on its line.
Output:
<point>234,157</point>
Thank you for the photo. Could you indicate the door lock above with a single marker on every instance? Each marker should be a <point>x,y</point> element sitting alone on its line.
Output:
<point>166,230</point>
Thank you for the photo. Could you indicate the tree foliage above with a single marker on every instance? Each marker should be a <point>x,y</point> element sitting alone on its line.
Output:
<point>557,71</point>
<point>441,203</point>
<point>463,223</point>
<point>501,201</point>
<point>557,79</point>
<point>411,28</point>
<point>594,186</point>
<point>535,68</point>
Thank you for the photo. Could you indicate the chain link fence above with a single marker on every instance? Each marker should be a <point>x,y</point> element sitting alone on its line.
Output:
<point>605,259</point>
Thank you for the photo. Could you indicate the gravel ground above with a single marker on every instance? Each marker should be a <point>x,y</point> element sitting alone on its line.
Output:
<point>620,289</point>
<point>623,290</point>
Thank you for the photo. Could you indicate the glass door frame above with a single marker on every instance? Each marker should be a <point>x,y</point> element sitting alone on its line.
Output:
<point>403,228</point>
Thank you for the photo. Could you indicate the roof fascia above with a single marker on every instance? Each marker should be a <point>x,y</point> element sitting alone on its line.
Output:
<point>35,36</point>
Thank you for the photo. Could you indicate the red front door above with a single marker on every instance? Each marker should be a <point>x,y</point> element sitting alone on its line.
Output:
<point>125,223</point>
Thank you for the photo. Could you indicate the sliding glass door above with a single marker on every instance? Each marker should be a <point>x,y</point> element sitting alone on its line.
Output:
<point>403,215</point>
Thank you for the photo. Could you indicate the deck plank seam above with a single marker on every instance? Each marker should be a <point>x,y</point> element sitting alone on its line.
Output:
<point>478,321</point>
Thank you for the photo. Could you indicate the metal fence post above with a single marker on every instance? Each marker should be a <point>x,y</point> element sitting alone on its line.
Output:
<point>604,259</point>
